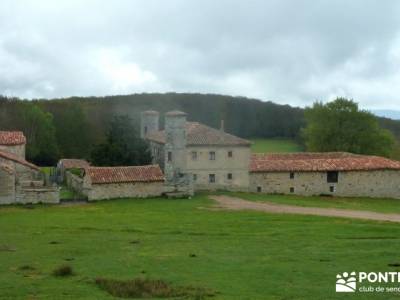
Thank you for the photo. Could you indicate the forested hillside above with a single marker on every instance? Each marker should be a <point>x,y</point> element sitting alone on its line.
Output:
<point>70,127</point>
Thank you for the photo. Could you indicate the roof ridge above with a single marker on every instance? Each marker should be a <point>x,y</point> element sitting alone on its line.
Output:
<point>17,159</point>
<point>113,167</point>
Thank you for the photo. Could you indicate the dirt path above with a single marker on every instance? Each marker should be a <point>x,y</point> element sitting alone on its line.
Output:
<point>234,203</point>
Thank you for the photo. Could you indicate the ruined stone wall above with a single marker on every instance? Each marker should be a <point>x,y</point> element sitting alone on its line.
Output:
<point>381,183</point>
<point>201,166</point>
<point>16,149</point>
<point>125,190</point>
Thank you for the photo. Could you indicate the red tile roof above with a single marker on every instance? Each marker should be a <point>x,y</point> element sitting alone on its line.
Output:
<point>198,134</point>
<point>148,173</point>
<point>12,138</point>
<point>71,163</point>
<point>10,156</point>
<point>320,162</point>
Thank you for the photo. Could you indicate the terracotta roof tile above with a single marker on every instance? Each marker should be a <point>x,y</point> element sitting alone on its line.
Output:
<point>319,162</point>
<point>150,173</point>
<point>17,159</point>
<point>71,163</point>
<point>12,138</point>
<point>200,134</point>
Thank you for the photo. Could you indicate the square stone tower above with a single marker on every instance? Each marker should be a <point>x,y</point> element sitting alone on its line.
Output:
<point>175,144</point>
<point>149,120</point>
<point>175,169</point>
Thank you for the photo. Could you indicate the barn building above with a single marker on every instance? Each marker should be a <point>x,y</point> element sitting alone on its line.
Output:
<point>100,183</point>
<point>337,174</point>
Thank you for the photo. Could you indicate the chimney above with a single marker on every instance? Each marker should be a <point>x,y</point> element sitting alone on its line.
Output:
<point>222,126</point>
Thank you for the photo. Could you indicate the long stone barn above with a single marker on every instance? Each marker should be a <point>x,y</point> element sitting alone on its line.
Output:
<point>339,174</point>
<point>100,183</point>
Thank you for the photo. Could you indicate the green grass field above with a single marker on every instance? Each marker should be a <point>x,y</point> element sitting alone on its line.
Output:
<point>240,255</point>
<point>371,204</point>
<point>274,145</point>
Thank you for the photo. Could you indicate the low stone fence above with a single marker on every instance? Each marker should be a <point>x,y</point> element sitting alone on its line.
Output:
<point>35,192</point>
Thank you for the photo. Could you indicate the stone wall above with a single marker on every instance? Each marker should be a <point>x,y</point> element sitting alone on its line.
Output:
<point>125,190</point>
<point>7,183</point>
<point>16,149</point>
<point>380,184</point>
<point>237,165</point>
<point>37,194</point>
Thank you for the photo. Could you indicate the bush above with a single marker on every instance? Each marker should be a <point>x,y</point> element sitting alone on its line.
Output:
<point>148,288</point>
<point>62,271</point>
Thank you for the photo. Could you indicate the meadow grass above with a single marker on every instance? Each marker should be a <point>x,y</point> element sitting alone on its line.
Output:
<point>237,255</point>
<point>370,204</point>
<point>274,145</point>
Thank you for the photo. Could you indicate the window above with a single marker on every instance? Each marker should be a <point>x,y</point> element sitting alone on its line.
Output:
<point>292,189</point>
<point>230,176</point>
<point>332,189</point>
<point>291,175</point>
<point>259,189</point>
<point>194,177</point>
<point>212,155</point>
<point>211,178</point>
<point>145,130</point>
<point>169,156</point>
<point>332,176</point>
<point>194,155</point>
<point>230,153</point>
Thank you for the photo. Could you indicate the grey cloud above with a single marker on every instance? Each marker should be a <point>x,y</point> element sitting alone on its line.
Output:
<point>287,51</point>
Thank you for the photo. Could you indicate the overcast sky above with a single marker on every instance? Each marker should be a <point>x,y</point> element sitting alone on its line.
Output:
<point>291,52</point>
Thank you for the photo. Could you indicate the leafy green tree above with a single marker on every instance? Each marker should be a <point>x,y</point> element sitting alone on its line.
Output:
<point>123,146</point>
<point>72,131</point>
<point>341,126</point>
<point>39,130</point>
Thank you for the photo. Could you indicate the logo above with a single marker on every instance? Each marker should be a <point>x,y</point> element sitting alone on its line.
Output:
<point>346,282</point>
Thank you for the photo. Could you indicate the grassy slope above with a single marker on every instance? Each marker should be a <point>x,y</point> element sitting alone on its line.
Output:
<point>274,145</point>
<point>243,255</point>
<point>371,204</point>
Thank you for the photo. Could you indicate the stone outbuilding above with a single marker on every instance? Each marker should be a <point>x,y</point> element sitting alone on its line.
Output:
<point>98,183</point>
<point>21,181</point>
<point>337,173</point>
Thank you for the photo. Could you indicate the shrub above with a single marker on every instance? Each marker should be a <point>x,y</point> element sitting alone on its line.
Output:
<point>149,288</point>
<point>26,268</point>
<point>62,271</point>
